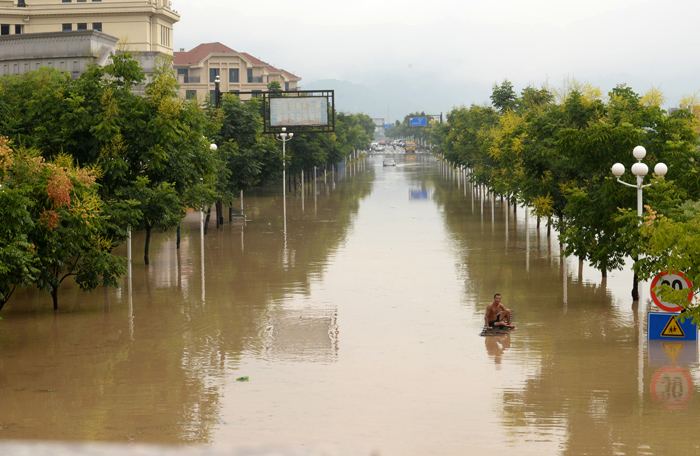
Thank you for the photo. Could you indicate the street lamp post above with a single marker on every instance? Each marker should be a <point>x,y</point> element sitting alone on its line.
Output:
<point>284,137</point>
<point>217,92</point>
<point>640,170</point>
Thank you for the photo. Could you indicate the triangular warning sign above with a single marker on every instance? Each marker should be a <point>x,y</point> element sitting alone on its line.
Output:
<point>672,329</point>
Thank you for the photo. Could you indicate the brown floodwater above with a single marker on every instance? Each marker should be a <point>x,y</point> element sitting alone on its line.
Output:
<point>356,326</point>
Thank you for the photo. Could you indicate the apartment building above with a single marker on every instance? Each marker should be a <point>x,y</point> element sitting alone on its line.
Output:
<point>239,72</point>
<point>144,25</point>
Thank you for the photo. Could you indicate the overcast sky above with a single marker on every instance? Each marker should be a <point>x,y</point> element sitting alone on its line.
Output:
<point>447,53</point>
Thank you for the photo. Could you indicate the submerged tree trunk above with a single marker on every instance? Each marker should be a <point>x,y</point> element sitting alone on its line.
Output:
<point>148,244</point>
<point>179,232</point>
<point>206,222</point>
<point>604,272</point>
<point>54,295</point>
<point>635,288</point>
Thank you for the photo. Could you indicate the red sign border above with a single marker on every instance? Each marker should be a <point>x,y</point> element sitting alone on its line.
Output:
<point>658,302</point>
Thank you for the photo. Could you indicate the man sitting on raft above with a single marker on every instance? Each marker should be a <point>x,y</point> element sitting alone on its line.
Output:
<point>497,316</point>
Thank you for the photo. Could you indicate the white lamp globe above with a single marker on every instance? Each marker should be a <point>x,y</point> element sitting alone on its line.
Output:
<point>213,147</point>
<point>661,169</point>
<point>618,169</point>
<point>640,169</point>
<point>639,152</point>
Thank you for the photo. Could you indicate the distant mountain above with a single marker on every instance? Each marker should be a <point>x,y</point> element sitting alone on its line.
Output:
<point>359,99</point>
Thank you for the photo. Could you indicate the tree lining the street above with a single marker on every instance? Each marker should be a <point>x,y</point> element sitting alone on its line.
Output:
<point>552,151</point>
<point>149,153</point>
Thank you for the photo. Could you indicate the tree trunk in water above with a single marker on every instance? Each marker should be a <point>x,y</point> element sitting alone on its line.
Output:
<point>54,295</point>
<point>604,272</point>
<point>230,211</point>
<point>206,222</point>
<point>635,288</point>
<point>148,244</point>
<point>219,215</point>
<point>538,222</point>
<point>179,232</point>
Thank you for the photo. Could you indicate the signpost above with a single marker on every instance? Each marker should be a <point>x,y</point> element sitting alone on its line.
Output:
<point>677,281</point>
<point>418,122</point>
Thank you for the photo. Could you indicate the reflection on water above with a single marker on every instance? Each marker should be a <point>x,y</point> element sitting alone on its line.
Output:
<point>357,325</point>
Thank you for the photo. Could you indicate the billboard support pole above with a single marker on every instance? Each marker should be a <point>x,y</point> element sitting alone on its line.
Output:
<point>284,137</point>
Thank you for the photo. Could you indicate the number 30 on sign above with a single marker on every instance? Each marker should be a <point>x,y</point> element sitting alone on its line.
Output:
<point>677,281</point>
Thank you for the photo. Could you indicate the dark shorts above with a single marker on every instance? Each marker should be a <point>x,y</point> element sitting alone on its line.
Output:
<point>491,323</point>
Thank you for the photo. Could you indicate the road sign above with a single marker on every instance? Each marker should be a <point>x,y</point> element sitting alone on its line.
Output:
<point>677,281</point>
<point>666,326</point>
<point>418,121</point>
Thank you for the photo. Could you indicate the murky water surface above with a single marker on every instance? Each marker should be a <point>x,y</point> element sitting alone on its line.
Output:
<point>359,327</point>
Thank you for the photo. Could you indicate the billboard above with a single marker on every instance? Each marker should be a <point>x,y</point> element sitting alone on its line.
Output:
<point>387,126</point>
<point>418,122</point>
<point>299,112</point>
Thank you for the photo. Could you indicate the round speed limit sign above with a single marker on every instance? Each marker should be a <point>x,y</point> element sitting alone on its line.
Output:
<point>677,281</point>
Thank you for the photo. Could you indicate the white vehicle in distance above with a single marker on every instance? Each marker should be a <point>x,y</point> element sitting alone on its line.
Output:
<point>389,162</point>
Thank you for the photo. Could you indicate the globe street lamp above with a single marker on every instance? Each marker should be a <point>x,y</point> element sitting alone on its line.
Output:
<point>640,170</point>
<point>284,137</point>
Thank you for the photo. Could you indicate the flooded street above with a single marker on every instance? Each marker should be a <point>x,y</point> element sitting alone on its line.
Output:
<point>358,327</point>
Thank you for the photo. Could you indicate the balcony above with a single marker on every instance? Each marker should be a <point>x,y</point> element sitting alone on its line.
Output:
<point>191,79</point>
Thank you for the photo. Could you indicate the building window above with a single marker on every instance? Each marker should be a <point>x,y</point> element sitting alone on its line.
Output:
<point>5,29</point>
<point>66,1</point>
<point>82,26</point>
<point>233,75</point>
<point>286,86</point>
<point>250,75</point>
<point>212,94</point>
<point>184,72</point>
<point>80,1</point>
<point>256,93</point>
<point>18,29</point>
<point>97,26</point>
<point>67,27</point>
<point>190,94</point>
<point>213,73</point>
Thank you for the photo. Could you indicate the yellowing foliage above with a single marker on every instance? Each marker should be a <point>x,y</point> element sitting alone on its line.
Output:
<point>692,104</point>
<point>653,97</point>
<point>6,158</point>
<point>543,206</point>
